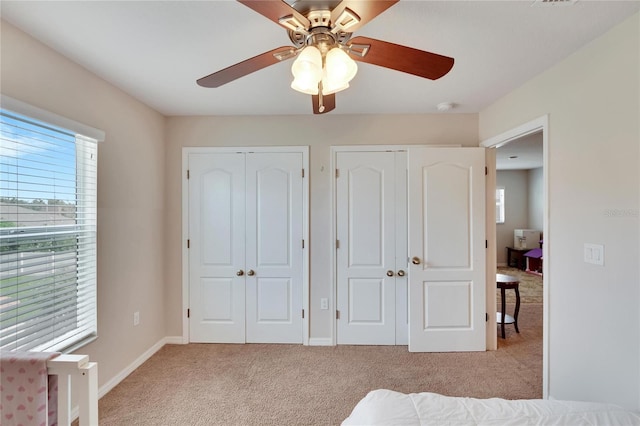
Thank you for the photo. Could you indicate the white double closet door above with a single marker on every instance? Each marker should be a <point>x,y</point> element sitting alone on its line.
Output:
<point>410,256</point>
<point>246,256</point>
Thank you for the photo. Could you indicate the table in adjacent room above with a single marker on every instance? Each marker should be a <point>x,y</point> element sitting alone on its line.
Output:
<point>505,282</point>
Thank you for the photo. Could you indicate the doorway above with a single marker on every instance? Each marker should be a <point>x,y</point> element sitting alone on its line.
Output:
<point>529,143</point>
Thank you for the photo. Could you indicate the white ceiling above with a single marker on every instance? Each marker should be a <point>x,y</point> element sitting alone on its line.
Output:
<point>155,50</point>
<point>521,154</point>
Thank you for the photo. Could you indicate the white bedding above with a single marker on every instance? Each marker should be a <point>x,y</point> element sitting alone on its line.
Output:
<point>385,407</point>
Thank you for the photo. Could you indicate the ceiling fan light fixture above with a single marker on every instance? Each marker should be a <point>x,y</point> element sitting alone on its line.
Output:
<point>329,87</point>
<point>306,86</point>
<point>321,31</point>
<point>307,71</point>
<point>339,67</point>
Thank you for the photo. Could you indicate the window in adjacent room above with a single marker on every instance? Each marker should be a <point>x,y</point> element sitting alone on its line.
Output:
<point>499,205</point>
<point>47,235</point>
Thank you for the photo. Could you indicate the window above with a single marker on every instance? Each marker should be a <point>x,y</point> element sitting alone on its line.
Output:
<point>47,235</point>
<point>499,205</point>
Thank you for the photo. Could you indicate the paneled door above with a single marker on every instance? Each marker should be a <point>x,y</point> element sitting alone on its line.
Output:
<point>246,231</point>
<point>274,253</point>
<point>447,249</point>
<point>216,248</point>
<point>371,252</point>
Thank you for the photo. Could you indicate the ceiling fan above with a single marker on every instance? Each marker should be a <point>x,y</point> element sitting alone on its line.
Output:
<point>321,31</point>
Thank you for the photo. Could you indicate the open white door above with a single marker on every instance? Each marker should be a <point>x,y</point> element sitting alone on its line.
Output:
<point>446,249</point>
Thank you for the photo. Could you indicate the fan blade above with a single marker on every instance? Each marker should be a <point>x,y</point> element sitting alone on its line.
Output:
<point>275,10</point>
<point>246,67</point>
<point>328,102</point>
<point>401,58</point>
<point>366,11</point>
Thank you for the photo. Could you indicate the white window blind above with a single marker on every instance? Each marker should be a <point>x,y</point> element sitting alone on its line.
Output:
<point>47,235</point>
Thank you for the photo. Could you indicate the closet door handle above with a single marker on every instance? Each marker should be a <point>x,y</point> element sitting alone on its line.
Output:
<point>389,273</point>
<point>401,273</point>
<point>240,273</point>
<point>415,260</point>
<point>250,272</point>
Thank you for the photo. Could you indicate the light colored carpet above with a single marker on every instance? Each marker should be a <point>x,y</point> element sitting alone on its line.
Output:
<point>255,384</point>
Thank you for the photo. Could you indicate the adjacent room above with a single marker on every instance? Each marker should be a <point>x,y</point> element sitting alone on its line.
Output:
<point>257,212</point>
<point>520,206</point>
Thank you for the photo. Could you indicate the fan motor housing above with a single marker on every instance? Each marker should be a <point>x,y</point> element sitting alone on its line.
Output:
<point>319,34</point>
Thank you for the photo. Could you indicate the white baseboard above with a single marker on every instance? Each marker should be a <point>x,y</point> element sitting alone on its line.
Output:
<point>175,340</point>
<point>320,341</point>
<point>131,367</point>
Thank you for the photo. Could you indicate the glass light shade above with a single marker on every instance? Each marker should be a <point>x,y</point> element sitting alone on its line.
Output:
<point>330,86</point>
<point>308,86</point>
<point>339,67</point>
<point>307,71</point>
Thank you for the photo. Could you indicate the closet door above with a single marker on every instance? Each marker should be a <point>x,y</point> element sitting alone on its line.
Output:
<point>246,255</point>
<point>274,253</point>
<point>369,230</point>
<point>217,248</point>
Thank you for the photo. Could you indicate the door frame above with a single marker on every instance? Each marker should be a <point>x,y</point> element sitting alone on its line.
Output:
<point>533,126</point>
<point>186,151</point>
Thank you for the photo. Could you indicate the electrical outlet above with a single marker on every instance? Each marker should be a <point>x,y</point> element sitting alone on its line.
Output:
<point>324,303</point>
<point>136,318</point>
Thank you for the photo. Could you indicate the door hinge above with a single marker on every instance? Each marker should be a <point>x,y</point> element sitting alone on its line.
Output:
<point>486,244</point>
<point>486,317</point>
<point>303,173</point>
<point>187,174</point>
<point>337,314</point>
<point>337,173</point>
<point>303,313</point>
<point>188,313</point>
<point>337,244</point>
<point>188,243</point>
<point>302,243</point>
<point>486,171</point>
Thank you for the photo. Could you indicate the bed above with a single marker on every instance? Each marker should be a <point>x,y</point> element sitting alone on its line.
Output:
<point>386,407</point>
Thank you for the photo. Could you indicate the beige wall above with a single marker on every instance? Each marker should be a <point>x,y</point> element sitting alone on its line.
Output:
<point>593,103</point>
<point>516,210</point>
<point>130,192</point>
<point>318,132</point>
<point>536,198</point>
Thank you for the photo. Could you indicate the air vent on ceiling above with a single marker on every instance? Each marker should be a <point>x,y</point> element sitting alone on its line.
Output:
<point>553,2</point>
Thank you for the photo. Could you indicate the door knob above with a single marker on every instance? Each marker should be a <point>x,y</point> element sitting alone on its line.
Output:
<point>250,272</point>
<point>415,260</point>
<point>240,273</point>
<point>389,273</point>
<point>401,273</point>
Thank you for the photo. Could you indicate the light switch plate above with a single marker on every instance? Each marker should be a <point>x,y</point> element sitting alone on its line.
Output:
<point>594,254</point>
